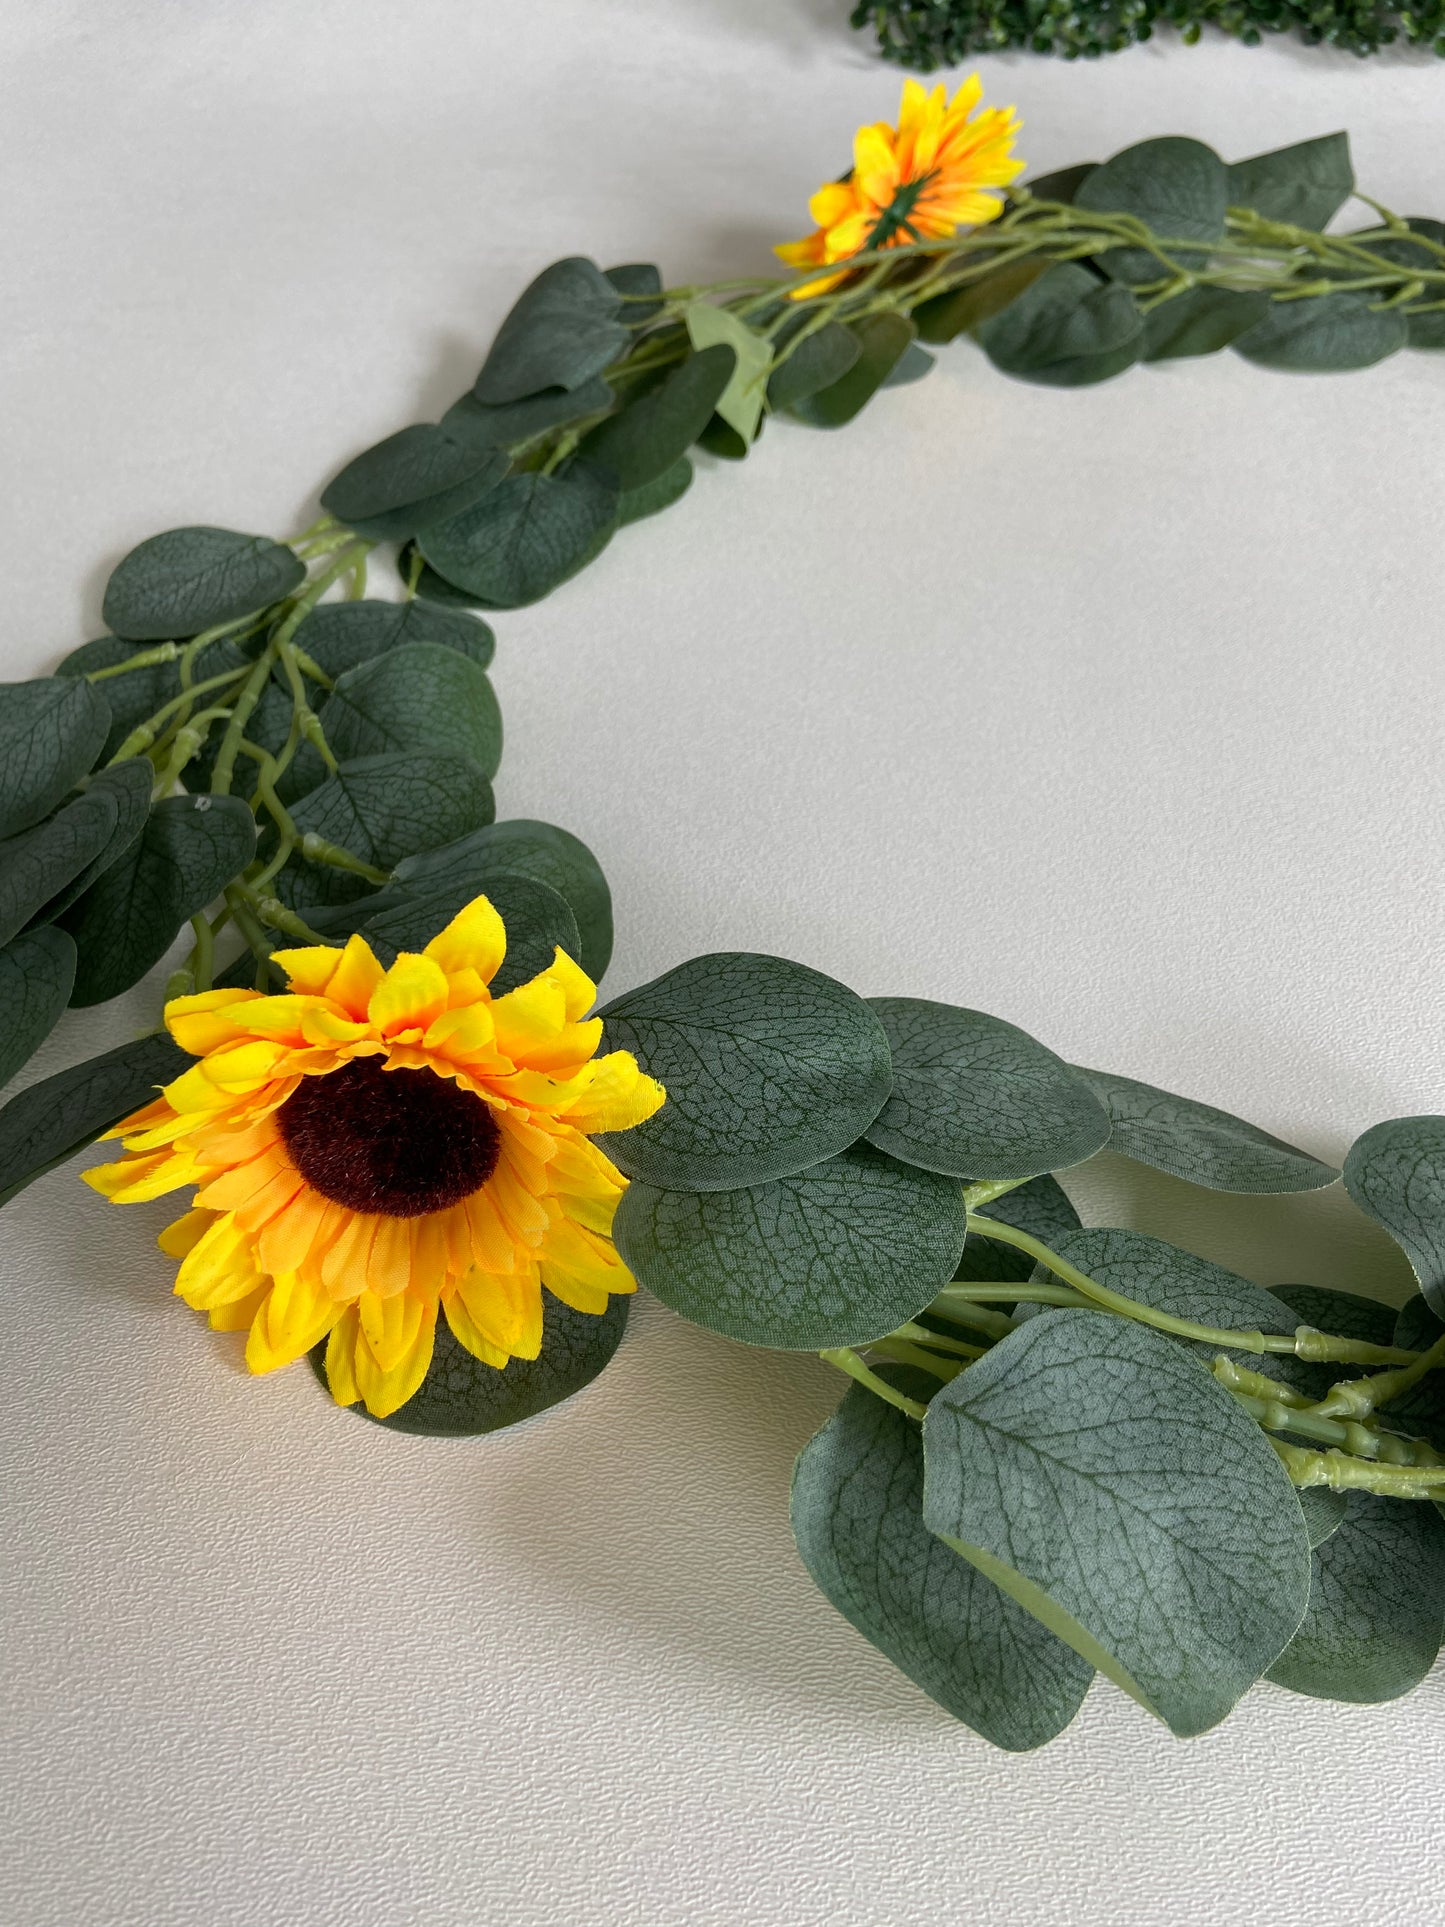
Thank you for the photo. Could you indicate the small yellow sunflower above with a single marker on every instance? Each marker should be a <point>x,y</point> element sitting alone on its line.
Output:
<point>938,170</point>
<point>375,1143</point>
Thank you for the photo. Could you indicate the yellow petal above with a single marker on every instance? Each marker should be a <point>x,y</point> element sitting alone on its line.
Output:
<point>293,1316</point>
<point>219,1269</point>
<point>355,977</point>
<point>467,1335</point>
<point>340,1355</point>
<point>411,995</point>
<point>475,939</point>
<point>612,1095</point>
<point>178,1240</point>
<point>504,1311</point>
<point>310,970</point>
<point>387,1387</point>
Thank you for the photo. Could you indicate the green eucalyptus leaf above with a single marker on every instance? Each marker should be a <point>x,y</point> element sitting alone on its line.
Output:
<point>1039,1207</point>
<point>1421,1410</point>
<point>515,422</point>
<point>341,635</point>
<point>1305,185</point>
<point>912,365</point>
<point>44,1124</point>
<point>1421,330</point>
<point>191,579</point>
<point>128,786</point>
<point>769,1067</point>
<point>51,731</point>
<point>883,340</point>
<point>431,588</point>
<point>419,476</point>
<point>946,316</point>
<point>1062,185</point>
<point>1396,1175</point>
<point>978,1098</point>
<point>1200,322</point>
<point>538,924</point>
<point>564,330</point>
<point>638,503</point>
<point>36,867</point>
<point>37,970</point>
<point>425,698</point>
<point>1416,1326</point>
<point>817,362</point>
<point>381,809</point>
<point>640,284</point>
<point>461,1397</point>
<point>520,847</point>
<point>524,538</point>
<point>1345,1314</point>
<point>188,850</point>
<point>1179,187</point>
<point>1376,1611</point>
<point>1201,1144</point>
<point>1324,334</point>
<point>857,1511</point>
<point>725,442</point>
<point>1090,1468</point>
<point>740,402</point>
<point>1323,1512</point>
<point>653,432</point>
<point>1066,330</point>
<point>835,1255</point>
<point>136,696</point>
<point>1158,1274</point>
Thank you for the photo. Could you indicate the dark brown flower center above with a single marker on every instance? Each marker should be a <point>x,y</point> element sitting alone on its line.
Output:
<point>397,1143</point>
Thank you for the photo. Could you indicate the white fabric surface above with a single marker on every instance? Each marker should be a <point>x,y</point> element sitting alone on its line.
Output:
<point>1113,712</point>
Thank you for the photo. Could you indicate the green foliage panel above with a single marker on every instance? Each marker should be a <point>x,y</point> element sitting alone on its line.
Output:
<point>419,476</point>
<point>382,809</point>
<point>1178,187</point>
<point>563,331</point>
<point>857,1509</point>
<point>1099,1475</point>
<point>37,971</point>
<point>47,1122</point>
<point>526,536</point>
<point>428,698</point>
<point>769,1067</point>
<point>832,1256</point>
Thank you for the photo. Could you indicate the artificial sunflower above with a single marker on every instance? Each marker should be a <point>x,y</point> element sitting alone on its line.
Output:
<point>378,1142</point>
<point>940,169</point>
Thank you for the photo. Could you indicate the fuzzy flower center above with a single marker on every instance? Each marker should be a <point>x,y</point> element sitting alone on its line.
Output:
<point>393,1143</point>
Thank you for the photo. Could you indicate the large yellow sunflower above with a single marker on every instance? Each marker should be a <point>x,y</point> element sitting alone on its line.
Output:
<point>940,169</point>
<point>374,1143</point>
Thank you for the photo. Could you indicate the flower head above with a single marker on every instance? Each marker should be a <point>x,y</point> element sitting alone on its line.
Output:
<point>375,1143</point>
<point>938,170</point>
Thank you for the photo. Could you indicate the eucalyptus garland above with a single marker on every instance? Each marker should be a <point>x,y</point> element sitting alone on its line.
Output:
<point>418,1157</point>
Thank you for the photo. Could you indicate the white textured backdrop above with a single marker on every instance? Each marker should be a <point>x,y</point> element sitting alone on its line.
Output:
<point>1114,712</point>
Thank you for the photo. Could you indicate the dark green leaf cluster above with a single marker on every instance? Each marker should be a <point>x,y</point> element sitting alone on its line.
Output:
<point>925,34</point>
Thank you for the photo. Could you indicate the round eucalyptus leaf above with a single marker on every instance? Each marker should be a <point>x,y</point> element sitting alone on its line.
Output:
<point>429,587</point>
<point>839,1254</point>
<point>1179,187</point>
<point>342,635</point>
<point>36,866</point>
<point>1345,1314</point>
<point>137,695</point>
<point>47,1122</point>
<point>419,476</point>
<point>1066,330</point>
<point>653,432</point>
<point>883,340</point>
<point>1326,334</point>
<point>128,786</point>
<point>640,284</point>
<point>1305,185</point>
<point>381,809</point>
<point>427,698</point>
<point>857,1512</point>
<point>1396,1175</point>
<point>190,579</point>
<point>37,970</point>
<point>461,1397</point>
<point>514,423</point>
<point>637,504</point>
<point>1093,1471</point>
<point>526,536</point>
<point>188,850</point>
<point>562,331</point>
<point>1425,330</point>
<point>819,360</point>
<point>520,847</point>
<point>769,1067</point>
<point>51,731</point>
<point>946,316</point>
<point>1042,1208</point>
<point>1376,1609</point>
<point>1203,1145</point>
<point>978,1098</point>
<point>1200,322</point>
